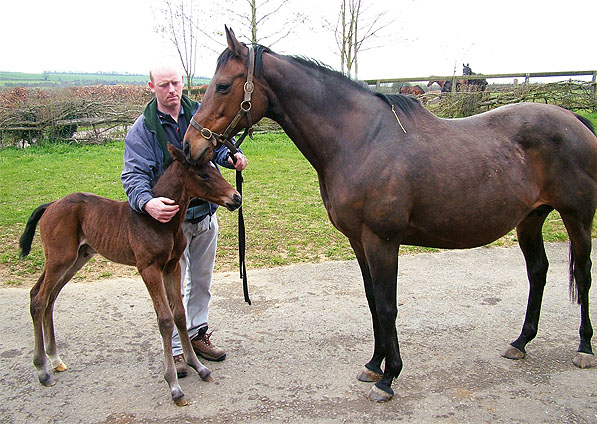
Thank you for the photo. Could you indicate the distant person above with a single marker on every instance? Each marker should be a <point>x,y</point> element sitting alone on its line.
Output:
<point>165,120</point>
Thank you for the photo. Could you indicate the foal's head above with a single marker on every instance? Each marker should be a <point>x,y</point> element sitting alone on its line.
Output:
<point>205,182</point>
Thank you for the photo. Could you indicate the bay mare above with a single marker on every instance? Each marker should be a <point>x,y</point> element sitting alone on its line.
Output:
<point>73,229</point>
<point>392,173</point>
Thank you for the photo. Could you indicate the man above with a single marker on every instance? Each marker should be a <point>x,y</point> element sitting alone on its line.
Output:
<point>165,120</point>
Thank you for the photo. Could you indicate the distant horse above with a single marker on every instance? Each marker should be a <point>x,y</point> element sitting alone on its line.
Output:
<point>392,173</point>
<point>78,226</point>
<point>414,90</point>
<point>474,84</point>
<point>445,86</point>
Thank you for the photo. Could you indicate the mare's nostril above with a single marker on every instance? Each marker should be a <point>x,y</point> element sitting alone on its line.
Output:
<point>237,198</point>
<point>186,148</point>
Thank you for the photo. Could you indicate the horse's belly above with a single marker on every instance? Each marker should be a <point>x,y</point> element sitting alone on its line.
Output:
<point>464,231</point>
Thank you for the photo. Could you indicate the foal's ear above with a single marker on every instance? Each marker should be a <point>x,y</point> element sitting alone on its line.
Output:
<point>235,46</point>
<point>177,154</point>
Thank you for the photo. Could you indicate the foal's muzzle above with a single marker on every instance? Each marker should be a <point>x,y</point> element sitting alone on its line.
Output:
<point>235,204</point>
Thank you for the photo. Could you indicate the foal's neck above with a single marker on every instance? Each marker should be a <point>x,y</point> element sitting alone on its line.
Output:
<point>172,185</point>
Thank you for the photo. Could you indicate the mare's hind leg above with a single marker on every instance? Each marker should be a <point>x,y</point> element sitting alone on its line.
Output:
<point>152,277</point>
<point>372,371</point>
<point>579,231</point>
<point>531,244</point>
<point>172,285</point>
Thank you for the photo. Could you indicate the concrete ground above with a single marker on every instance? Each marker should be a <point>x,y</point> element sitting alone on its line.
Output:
<point>294,354</point>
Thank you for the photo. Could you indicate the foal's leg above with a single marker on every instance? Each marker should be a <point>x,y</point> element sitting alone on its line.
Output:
<point>382,258</point>
<point>530,240</point>
<point>372,371</point>
<point>152,277</point>
<point>50,339</point>
<point>172,286</point>
<point>579,231</point>
<point>41,306</point>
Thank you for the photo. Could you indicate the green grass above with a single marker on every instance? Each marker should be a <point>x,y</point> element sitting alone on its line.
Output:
<point>68,78</point>
<point>284,215</point>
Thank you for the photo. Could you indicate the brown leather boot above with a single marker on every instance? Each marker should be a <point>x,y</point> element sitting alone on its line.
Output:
<point>206,349</point>
<point>181,365</point>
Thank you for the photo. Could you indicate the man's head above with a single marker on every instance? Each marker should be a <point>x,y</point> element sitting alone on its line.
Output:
<point>166,83</point>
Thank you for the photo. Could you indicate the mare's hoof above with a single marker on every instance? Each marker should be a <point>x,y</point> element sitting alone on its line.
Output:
<point>181,401</point>
<point>60,368</point>
<point>368,376</point>
<point>378,395</point>
<point>584,360</point>
<point>513,353</point>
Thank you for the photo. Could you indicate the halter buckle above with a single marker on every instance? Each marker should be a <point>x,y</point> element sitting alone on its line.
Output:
<point>206,133</point>
<point>249,87</point>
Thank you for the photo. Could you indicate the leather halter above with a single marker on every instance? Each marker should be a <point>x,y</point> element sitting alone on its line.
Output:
<point>226,139</point>
<point>245,109</point>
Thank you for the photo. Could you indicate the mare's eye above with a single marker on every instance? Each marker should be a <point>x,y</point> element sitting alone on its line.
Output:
<point>222,87</point>
<point>204,176</point>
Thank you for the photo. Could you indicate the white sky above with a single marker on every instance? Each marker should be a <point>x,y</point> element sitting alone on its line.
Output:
<point>428,37</point>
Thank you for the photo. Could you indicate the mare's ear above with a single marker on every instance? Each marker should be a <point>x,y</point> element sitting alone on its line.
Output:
<point>177,154</point>
<point>235,46</point>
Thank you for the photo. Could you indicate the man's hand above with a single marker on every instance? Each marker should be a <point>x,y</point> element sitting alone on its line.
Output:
<point>241,161</point>
<point>161,208</point>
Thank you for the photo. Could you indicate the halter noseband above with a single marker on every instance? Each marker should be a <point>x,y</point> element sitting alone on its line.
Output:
<point>245,109</point>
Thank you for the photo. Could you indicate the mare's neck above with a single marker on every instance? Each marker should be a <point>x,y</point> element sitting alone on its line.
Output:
<point>309,104</point>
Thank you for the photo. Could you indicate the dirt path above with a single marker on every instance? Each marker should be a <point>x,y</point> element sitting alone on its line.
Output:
<point>293,355</point>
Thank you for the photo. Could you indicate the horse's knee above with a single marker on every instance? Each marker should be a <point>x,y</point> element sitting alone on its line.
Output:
<point>166,325</point>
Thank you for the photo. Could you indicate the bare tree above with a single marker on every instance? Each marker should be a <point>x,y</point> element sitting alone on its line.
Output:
<point>175,19</point>
<point>265,22</point>
<point>356,27</point>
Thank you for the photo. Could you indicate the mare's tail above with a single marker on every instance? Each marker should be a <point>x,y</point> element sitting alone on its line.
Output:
<point>27,237</point>
<point>586,122</point>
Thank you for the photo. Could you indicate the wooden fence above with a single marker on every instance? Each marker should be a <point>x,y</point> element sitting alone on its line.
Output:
<point>526,75</point>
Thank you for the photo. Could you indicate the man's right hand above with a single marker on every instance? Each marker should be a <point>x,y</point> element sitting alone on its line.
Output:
<point>161,208</point>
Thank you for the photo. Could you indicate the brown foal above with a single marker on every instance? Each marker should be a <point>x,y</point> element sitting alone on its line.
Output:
<point>79,225</point>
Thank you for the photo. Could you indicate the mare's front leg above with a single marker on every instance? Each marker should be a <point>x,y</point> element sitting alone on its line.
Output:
<point>372,371</point>
<point>173,291</point>
<point>382,260</point>
<point>152,277</point>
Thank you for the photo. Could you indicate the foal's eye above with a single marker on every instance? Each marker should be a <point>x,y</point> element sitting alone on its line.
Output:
<point>222,87</point>
<point>204,176</point>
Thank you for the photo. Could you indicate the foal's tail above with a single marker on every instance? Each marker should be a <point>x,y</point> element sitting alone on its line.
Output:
<point>27,237</point>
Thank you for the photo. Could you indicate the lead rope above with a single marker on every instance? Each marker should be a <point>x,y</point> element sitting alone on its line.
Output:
<point>241,223</point>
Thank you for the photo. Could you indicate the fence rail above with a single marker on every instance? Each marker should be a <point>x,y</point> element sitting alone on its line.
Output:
<point>526,75</point>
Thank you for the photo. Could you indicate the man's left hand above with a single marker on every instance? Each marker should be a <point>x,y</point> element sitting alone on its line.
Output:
<point>241,161</point>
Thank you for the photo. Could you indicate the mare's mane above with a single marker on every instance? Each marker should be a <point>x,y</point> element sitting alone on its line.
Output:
<point>407,104</point>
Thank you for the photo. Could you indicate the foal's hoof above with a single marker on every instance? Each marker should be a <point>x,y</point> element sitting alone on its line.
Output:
<point>60,368</point>
<point>205,375</point>
<point>47,380</point>
<point>513,353</point>
<point>181,401</point>
<point>368,376</point>
<point>378,395</point>
<point>584,360</point>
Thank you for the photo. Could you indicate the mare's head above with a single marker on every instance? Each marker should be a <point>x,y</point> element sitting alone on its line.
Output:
<point>224,97</point>
<point>205,182</point>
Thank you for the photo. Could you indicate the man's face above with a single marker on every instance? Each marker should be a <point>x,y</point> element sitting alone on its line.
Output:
<point>167,87</point>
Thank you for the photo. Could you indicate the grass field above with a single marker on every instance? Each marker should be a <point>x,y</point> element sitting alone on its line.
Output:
<point>284,215</point>
<point>68,78</point>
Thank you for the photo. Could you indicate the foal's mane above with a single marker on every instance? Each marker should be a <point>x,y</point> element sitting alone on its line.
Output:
<point>407,104</point>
